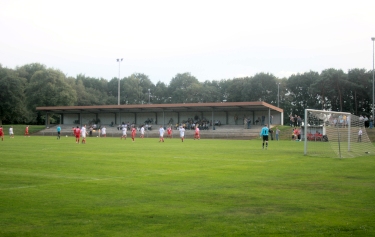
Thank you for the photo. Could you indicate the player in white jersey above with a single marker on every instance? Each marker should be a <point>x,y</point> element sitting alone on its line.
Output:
<point>104,131</point>
<point>124,129</point>
<point>83,134</point>
<point>11,134</point>
<point>142,132</point>
<point>182,133</point>
<point>161,134</point>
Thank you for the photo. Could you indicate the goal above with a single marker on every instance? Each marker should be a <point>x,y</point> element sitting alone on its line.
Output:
<point>335,134</point>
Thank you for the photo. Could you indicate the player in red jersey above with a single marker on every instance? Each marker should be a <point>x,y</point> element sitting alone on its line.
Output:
<point>169,132</point>
<point>196,134</point>
<point>134,131</point>
<point>77,133</point>
<point>27,131</point>
<point>1,133</point>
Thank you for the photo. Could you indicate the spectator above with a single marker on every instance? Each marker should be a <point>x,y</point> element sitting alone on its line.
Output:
<point>359,135</point>
<point>371,120</point>
<point>271,133</point>
<point>277,132</point>
<point>11,133</point>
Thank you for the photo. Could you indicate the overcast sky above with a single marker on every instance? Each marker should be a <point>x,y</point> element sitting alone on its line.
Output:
<point>212,40</point>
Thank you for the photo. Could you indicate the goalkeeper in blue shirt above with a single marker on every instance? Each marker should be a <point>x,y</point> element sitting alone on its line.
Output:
<point>264,134</point>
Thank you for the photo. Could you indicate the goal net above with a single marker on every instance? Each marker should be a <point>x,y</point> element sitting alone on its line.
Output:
<point>335,134</point>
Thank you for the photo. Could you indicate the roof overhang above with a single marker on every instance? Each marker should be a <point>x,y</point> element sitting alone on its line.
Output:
<point>154,108</point>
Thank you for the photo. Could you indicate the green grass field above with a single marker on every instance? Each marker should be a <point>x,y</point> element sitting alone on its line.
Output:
<point>112,187</point>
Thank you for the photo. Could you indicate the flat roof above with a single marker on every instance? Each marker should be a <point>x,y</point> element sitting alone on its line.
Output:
<point>139,108</point>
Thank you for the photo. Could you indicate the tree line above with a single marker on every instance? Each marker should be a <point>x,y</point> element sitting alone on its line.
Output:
<point>26,87</point>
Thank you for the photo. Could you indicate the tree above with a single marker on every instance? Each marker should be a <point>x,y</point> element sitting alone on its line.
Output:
<point>211,92</point>
<point>224,86</point>
<point>144,84</point>
<point>132,91</point>
<point>144,81</point>
<point>264,88</point>
<point>337,82</point>
<point>49,88</point>
<point>112,91</point>
<point>360,87</point>
<point>247,91</point>
<point>233,89</point>
<point>300,94</point>
<point>12,97</point>
<point>82,95</point>
<point>159,93</point>
<point>319,90</point>
<point>331,90</point>
<point>195,93</point>
<point>27,71</point>
<point>181,87</point>
<point>91,91</point>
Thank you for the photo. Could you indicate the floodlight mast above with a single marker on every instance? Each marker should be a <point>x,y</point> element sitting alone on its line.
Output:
<point>278,93</point>
<point>373,76</point>
<point>118,92</point>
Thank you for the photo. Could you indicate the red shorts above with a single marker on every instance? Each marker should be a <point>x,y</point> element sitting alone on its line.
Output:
<point>77,136</point>
<point>1,134</point>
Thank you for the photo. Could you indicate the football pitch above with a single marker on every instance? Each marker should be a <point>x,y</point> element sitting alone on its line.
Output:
<point>113,187</point>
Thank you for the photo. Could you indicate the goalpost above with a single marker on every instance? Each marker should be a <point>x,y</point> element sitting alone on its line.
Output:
<point>335,134</point>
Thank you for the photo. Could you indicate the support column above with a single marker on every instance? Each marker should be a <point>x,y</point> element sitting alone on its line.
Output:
<point>80,119</point>
<point>269,117</point>
<point>47,120</point>
<point>213,121</point>
<point>163,119</point>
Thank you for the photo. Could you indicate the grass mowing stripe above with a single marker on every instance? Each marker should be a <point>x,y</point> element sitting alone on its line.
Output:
<point>80,179</point>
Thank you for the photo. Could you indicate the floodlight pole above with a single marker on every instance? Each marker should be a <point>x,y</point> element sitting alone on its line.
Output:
<point>149,96</point>
<point>373,75</point>
<point>305,133</point>
<point>118,92</point>
<point>278,93</point>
